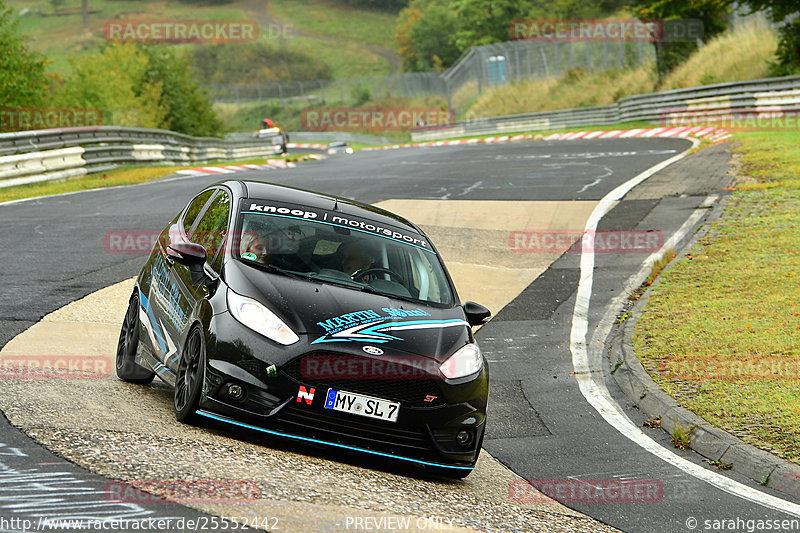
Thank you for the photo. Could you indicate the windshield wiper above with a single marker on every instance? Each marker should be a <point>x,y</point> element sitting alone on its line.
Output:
<point>372,290</point>
<point>273,269</point>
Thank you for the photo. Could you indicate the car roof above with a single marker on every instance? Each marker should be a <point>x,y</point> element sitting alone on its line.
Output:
<point>281,193</point>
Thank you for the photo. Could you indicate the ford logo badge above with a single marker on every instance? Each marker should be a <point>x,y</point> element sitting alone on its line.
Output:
<point>372,350</point>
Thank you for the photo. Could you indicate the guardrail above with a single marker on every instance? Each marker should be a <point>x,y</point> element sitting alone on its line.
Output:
<point>43,155</point>
<point>766,95</point>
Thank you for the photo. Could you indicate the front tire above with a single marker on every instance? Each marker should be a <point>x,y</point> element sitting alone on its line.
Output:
<point>189,379</point>
<point>127,368</point>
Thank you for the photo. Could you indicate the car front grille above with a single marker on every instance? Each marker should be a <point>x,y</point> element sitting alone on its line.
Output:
<point>415,391</point>
<point>354,430</point>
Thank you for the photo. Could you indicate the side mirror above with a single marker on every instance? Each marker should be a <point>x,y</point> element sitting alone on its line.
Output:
<point>187,253</point>
<point>476,313</point>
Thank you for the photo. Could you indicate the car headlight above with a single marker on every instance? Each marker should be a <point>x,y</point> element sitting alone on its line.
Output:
<point>260,319</point>
<point>465,362</point>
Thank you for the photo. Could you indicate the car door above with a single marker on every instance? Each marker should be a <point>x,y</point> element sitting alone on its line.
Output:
<point>159,293</point>
<point>190,287</point>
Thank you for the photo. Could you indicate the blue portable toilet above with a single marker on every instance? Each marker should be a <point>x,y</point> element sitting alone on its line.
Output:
<point>496,69</point>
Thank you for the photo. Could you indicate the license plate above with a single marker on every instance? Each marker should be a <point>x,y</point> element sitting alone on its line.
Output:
<point>359,404</point>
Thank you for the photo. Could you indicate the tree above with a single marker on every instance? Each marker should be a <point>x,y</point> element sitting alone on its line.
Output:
<point>405,45</point>
<point>188,108</point>
<point>115,82</point>
<point>141,86</point>
<point>23,82</point>
<point>481,22</point>
<point>433,38</point>
<point>432,34</point>
<point>672,52</point>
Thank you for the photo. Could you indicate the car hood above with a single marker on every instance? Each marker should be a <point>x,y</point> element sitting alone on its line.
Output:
<point>335,318</point>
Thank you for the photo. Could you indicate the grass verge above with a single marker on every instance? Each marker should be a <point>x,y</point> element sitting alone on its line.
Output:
<point>721,331</point>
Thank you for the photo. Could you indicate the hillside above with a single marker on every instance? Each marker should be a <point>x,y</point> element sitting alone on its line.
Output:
<point>351,42</point>
<point>713,63</point>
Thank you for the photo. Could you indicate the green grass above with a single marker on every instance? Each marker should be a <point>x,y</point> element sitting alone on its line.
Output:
<point>346,60</point>
<point>334,20</point>
<point>721,332</point>
<point>59,34</point>
<point>755,44</point>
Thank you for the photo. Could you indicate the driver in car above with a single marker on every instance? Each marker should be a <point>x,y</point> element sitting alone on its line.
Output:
<point>355,257</point>
<point>252,247</point>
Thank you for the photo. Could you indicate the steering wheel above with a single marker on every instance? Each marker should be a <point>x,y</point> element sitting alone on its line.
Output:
<point>377,270</point>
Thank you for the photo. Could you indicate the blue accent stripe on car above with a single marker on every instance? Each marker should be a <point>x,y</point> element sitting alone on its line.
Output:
<point>334,444</point>
<point>149,310</point>
<point>157,368</point>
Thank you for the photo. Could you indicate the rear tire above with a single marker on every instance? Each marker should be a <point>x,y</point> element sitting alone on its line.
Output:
<point>190,376</point>
<point>127,368</point>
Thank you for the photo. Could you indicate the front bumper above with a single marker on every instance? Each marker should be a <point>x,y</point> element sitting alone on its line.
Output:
<point>424,433</point>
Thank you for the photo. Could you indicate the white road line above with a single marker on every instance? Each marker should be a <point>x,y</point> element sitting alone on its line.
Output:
<point>596,392</point>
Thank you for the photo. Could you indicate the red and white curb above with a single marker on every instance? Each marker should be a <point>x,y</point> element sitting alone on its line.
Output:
<point>710,134</point>
<point>315,146</point>
<point>230,169</point>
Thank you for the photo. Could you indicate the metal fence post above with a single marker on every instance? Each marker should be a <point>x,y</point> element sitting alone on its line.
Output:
<point>555,59</point>
<point>571,64</point>
<point>544,61</point>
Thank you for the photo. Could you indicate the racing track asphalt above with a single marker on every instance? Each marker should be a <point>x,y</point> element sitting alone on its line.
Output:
<point>540,424</point>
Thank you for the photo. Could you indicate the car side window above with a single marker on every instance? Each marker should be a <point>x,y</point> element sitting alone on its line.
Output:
<point>210,231</point>
<point>194,209</point>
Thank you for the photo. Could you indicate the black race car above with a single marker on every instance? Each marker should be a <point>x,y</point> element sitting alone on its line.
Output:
<point>310,317</point>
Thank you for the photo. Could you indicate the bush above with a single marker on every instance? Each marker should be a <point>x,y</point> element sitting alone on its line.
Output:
<point>247,63</point>
<point>22,79</point>
<point>188,108</point>
<point>116,82</point>
<point>141,86</point>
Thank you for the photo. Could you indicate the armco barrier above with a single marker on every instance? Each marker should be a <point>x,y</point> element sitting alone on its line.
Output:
<point>42,155</point>
<point>767,95</point>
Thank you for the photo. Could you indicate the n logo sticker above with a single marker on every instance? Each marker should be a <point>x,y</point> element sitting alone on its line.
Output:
<point>307,395</point>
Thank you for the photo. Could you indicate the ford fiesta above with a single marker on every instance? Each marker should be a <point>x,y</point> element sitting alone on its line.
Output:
<point>314,318</point>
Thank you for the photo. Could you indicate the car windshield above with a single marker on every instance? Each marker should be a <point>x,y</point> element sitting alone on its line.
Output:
<point>328,247</point>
